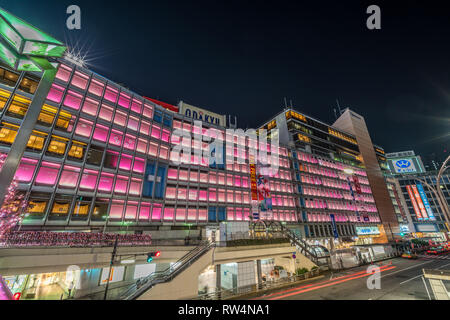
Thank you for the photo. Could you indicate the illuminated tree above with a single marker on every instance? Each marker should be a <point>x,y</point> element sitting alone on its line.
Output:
<point>10,212</point>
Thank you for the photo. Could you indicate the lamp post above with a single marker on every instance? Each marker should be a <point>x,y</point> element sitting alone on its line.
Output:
<point>438,187</point>
<point>26,48</point>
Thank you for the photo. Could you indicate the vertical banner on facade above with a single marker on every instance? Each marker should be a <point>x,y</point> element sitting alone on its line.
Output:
<point>264,197</point>
<point>400,207</point>
<point>413,201</point>
<point>354,199</point>
<point>254,188</point>
<point>425,201</point>
<point>420,203</point>
<point>357,184</point>
<point>333,225</point>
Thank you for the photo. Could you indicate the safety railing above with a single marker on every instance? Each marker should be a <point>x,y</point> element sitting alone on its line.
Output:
<point>144,284</point>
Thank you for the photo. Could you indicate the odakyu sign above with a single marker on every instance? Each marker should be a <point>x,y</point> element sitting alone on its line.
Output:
<point>201,114</point>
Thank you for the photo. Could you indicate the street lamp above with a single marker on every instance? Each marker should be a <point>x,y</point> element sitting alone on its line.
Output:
<point>26,48</point>
<point>438,187</point>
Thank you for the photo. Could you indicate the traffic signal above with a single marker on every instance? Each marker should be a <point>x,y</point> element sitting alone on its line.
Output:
<point>150,255</point>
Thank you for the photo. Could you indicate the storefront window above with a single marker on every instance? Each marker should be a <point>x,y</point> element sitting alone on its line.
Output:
<point>144,211</point>
<point>116,211</point>
<point>100,210</point>
<point>37,205</point>
<point>81,208</point>
<point>60,208</point>
<point>131,210</point>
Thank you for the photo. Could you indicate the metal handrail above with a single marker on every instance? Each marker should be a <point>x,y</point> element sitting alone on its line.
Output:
<point>168,274</point>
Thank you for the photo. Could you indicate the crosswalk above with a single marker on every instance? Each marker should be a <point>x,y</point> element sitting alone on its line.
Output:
<point>436,257</point>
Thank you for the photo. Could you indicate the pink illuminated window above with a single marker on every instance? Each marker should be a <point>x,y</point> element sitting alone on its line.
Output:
<point>237,181</point>
<point>164,152</point>
<point>153,149</point>
<point>69,177</point>
<point>111,94</point>
<point>181,193</point>
<point>115,138</point>
<point>130,142</point>
<point>131,211</point>
<point>121,185</point>
<point>183,175</point>
<point>230,196</point>
<point>145,128</point>
<point>148,111</point>
<point>135,187</point>
<point>221,178</point>
<point>141,146</point>
<point>172,174</point>
<point>144,211</point>
<point>100,133</point>
<point>106,113</point>
<point>156,131</point>
<point>246,198</point>
<point>212,195</point>
<point>125,162</point>
<point>25,170</point>
<point>230,214</point>
<point>229,179</point>
<point>105,183</point>
<point>221,195</point>
<point>63,73</point>
<point>238,197</point>
<point>171,193</point>
<point>73,100</point>
<point>96,87</point>
<point>90,107</point>
<point>55,94</point>
<point>193,194</point>
<point>124,101</point>
<point>156,212</point>
<point>212,177</point>
<point>176,124</point>
<point>88,180</point>
<point>238,214</point>
<point>136,106</point>
<point>165,135</point>
<point>192,214</point>
<point>116,210</point>
<point>180,214</point>
<point>120,118</point>
<point>84,128</point>
<point>80,80</point>
<point>138,165</point>
<point>202,195</point>
<point>169,213</point>
<point>202,212</point>
<point>203,177</point>
<point>133,123</point>
<point>47,173</point>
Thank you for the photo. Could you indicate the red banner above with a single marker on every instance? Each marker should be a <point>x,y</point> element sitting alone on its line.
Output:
<point>357,185</point>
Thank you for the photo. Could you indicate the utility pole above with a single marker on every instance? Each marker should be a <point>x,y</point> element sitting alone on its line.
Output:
<point>113,256</point>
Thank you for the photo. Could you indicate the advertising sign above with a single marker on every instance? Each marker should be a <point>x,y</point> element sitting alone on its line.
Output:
<point>254,188</point>
<point>425,201</point>
<point>357,185</point>
<point>419,202</point>
<point>405,165</point>
<point>264,197</point>
<point>365,231</point>
<point>333,225</point>
<point>201,114</point>
<point>413,201</point>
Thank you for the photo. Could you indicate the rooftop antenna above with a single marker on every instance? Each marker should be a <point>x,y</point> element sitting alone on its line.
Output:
<point>291,103</point>
<point>285,103</point>
<point>339,107</point>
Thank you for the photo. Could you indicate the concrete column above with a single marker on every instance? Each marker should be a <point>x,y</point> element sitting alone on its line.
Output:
<point>218,280</point>
<point>259,272</point>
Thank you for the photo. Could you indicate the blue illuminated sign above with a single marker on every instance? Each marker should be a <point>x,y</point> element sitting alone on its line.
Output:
<point>426,204</point>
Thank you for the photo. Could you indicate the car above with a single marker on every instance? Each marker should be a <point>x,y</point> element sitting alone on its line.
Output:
<point>409,255</point>
<point>434,251</point>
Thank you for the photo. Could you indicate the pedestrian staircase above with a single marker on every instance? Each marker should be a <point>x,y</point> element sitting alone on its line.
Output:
<point>317,254</point>
<point>167,275</point>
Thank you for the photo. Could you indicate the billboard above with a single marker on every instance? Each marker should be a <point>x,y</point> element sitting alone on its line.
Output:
<point>405,165</point>
<point>366,231</point>
<point>419,202</point>
<point>425,202</point>
<point>264,196</point>
<point>201,114</point>
<point>413,201</point>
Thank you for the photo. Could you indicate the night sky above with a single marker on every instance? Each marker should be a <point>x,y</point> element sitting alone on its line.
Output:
<point>243,58</point>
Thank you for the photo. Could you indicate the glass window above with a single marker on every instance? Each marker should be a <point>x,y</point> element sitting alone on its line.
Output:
<point>141,146</point>
<point>65,121</point>
<point>124,101</point>
<point>135,187</point>
<point>69,177</point>
<point>181,193</point>
<point>133,123</point>
<point>76,151</point>
<point>145,128</point>
<point>63,73</point>
<point>80,80</point>
<point>180,214</point>
<point>111,94</point>
<point>36,141</point>
<point>164,152</point>
<point>56,93</point>
<point>156,212</point>
<point>193,194</point>
<point>144,211</point>
<point>120,118</point>
<point>130,142</point>
<point>72,100</point>
<point>47,174</point>
<point>121,185</point>
<point>131,210</point>
<point>116,211</point>
<point>96,87</point>
<point>139,165</point>
<point>125,162</point>
<point>4,96</point>
<point>212,195</point>
<point>25,170</point>
<point>115,138</point>
<point>90,106</point>
<point>193,176</point>
<point>95,155</point>
<point>29,84</point>
<point>156,131</point>
<point>18,107</point>
<point>136,106</point>
<point>202,214</point>
<point>37,205</point>
<point>183,175</point>
<point>165,135</point>
<point>57,146</point>
<point>84,128</point>
<point>157,116</point>
<point>106,113</point>
<point>100,210</point>
<point>105,183</point>
<point>60,208</point>
<point>153,149</point>
<point>111,159</point>
<point>148,111</point>
<point>212,177</point>
<point>88,180</point>
<point>100,133</point>
<point>47,116</point>
<point>81,209</point>
<point>168,213</point>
